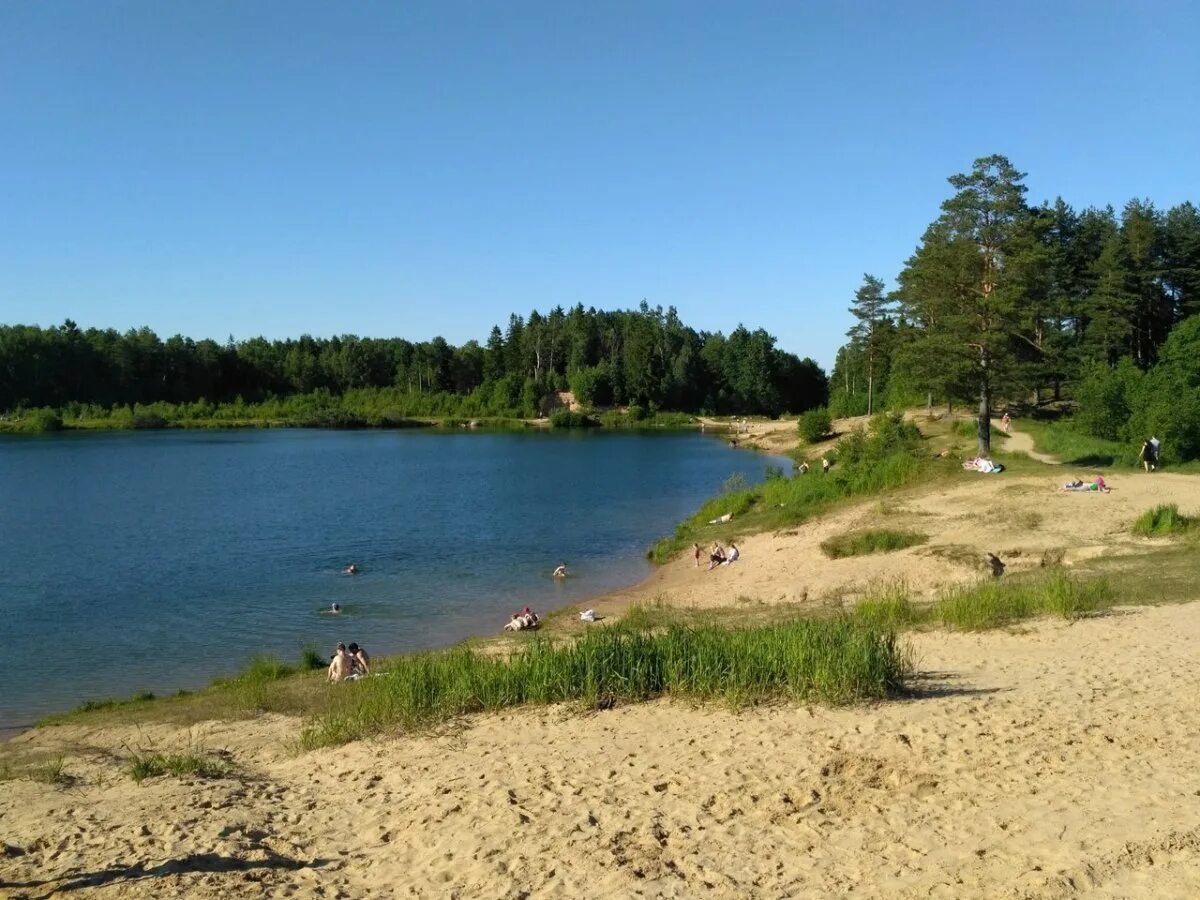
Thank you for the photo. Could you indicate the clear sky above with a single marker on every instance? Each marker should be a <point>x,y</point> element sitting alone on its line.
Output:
<point>420,168</point>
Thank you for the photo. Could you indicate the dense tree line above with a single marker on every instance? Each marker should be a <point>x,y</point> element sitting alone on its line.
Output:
<point>1002,299</point>
<point>644,357</point>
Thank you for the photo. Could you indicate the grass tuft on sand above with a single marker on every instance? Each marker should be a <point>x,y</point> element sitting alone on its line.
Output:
<point>831,660</point>
<point>146,764</point>
<point>1164,519</point>
<point>990,604</point>
<point>873,540</point>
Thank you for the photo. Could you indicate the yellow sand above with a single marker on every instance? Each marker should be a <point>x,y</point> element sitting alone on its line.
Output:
<point>1052,762</point>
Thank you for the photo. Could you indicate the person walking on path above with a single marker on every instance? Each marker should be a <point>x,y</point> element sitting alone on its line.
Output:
<point>1006,423</point>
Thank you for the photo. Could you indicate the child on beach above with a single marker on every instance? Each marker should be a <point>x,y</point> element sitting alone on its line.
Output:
<point>696,554</point>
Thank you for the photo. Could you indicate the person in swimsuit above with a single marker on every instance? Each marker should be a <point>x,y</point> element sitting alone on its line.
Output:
<point>561,571</point>
<point>696,554</point>
<point>341,666</point>
<point>358,656</point>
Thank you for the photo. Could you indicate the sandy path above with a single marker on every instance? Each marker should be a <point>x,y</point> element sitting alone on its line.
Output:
<point>1060,762</point>
<point>1022,442</point>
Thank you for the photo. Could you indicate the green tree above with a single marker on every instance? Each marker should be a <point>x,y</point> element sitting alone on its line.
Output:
<point>870,307</point>
<point>955,285</point>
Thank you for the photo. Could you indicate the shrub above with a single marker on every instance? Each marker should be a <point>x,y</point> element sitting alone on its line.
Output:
<point>815,425</point>
<point>565,418</point>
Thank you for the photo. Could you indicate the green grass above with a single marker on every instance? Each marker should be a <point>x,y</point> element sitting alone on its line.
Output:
<point>990,604</point>
<point>874,540</point>
<point>144,764</point>
<point>1164,519</point>
<point>114,702</point>
<point>1060,439</point>
<point>890,454</point>
<point>830,660</point>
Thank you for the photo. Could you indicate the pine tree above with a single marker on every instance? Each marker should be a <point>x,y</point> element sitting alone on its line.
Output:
<point>870,307</point>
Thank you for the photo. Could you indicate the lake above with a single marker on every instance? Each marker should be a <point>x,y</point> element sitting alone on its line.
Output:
<point>156,561</point>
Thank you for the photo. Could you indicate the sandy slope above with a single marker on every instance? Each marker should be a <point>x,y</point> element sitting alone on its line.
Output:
<point>1056,762</point>
<point>1061,762</point>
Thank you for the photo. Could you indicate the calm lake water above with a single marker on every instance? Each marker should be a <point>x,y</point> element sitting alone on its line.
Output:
<point>156,561</point>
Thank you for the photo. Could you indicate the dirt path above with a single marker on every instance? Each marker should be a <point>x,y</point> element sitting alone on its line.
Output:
<point>1022,442</point>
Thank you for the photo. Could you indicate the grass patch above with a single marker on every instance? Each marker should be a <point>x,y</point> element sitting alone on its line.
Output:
<point>1164,519</point>
<point>831,660</point>
<point>873,540</point>
<point>1060,439</point>
<point>143,765</point>
<point>889,454</point>
<point>114,702</point>
<point>52,771</point>
<point>991,604</point>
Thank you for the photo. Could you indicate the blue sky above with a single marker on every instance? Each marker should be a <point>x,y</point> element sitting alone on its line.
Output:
<point>279,168</point>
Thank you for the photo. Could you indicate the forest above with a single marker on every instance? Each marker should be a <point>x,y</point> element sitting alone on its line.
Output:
<point>1003,301</point>
<point>646,359</point>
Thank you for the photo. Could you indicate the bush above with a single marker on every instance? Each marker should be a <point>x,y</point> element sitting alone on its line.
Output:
<point>565,418</point>
<point>815,425</point>
<point>1106,398</point>
<point>40,421</point>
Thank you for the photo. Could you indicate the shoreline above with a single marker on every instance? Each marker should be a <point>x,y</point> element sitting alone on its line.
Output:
<point>628,589</point>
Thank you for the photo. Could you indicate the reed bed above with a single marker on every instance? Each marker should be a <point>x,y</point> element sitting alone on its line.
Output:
<point>832,660</point>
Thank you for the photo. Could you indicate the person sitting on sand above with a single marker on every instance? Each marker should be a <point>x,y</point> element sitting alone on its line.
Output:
<point>561,571</point>
<point>341,666</point>
<point>716,556</point>
<point>360,660</point>
<point>734,554</point>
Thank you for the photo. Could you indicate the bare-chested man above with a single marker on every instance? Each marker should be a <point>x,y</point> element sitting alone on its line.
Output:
<point>341,667</point>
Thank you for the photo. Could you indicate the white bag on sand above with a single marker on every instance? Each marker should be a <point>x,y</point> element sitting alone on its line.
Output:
<point>588,615</point>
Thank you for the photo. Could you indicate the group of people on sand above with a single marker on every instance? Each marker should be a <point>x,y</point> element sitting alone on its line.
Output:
<point>718,555</point>
<point>349,663</point>
<point>525,620</point>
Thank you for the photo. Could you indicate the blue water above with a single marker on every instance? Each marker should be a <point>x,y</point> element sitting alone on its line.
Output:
<point>156,561</point>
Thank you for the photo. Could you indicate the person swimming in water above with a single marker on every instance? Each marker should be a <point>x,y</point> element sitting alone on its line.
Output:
<point>561,571</point>
<point>335,609</point>
<point>351,569</point>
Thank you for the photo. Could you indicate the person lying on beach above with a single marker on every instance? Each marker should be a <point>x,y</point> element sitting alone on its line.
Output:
<point>360,660</point>
<point>341,666</point>
<point>561,571</point>
<point>721,520</point>
<point>1097,485</point>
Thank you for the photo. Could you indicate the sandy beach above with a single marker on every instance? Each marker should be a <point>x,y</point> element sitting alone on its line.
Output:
<point>1050,760</point>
